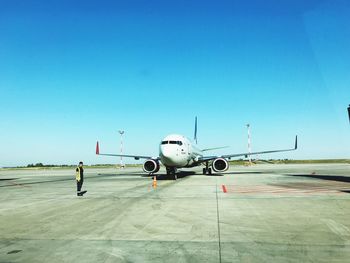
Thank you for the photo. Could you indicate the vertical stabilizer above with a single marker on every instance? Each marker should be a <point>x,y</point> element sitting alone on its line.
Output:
<point>97,149</point>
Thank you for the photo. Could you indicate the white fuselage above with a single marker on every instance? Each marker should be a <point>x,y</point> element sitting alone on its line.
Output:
<point>178,151</point>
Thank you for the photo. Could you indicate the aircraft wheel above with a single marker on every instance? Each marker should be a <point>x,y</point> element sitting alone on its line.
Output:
<point>204,171</point>
<point>209,171</point>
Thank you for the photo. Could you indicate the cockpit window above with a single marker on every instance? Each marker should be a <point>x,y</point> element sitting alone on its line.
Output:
<point>172,142</point>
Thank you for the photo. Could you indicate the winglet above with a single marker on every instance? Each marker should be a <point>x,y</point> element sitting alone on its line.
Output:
<point>195,130</point>
<point>296,142</point>
<point>97,149</point>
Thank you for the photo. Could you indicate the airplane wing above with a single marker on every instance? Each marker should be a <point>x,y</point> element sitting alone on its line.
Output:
<point>216,148</point>
<point>228,156</point>
<point>136,157</point>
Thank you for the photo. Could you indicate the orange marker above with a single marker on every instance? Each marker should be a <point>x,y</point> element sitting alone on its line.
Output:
<point>154,183</point>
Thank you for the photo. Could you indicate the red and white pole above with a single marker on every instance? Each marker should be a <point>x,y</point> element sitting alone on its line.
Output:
<point>249,143</point>
<point>121,148</point>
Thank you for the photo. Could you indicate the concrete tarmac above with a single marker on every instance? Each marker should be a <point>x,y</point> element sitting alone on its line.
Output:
<point>260,213</point>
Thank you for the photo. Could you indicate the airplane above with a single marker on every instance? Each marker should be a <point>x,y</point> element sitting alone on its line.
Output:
<point>177,151</point>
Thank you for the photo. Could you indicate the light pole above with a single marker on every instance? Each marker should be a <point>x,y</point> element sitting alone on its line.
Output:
<point>249,145</point>
<point>121,132</point>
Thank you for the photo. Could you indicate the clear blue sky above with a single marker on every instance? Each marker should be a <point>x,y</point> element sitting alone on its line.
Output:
<point>73,72</point>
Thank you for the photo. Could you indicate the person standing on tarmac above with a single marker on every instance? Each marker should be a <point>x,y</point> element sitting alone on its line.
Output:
<point>79,176</point>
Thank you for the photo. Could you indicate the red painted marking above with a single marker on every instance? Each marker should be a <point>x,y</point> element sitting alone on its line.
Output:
<point>278,191</point>
<point>224,188</point>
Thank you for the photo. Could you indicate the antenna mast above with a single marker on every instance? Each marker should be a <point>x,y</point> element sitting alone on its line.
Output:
<point>249,144</point>
<point>121,132</point>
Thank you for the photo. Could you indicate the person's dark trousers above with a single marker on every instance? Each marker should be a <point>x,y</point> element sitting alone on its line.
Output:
<point>79,185</point>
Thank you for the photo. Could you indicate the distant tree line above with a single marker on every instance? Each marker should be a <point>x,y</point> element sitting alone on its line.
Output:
<point>46,165</point>
<point>41,165</point>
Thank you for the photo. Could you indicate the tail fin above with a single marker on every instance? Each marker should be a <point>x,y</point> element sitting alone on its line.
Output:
<point>97,149</point>
<point>195,130</point>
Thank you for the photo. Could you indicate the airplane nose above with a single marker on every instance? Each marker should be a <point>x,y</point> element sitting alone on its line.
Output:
<point>166,152</point>
<point>168,156</point>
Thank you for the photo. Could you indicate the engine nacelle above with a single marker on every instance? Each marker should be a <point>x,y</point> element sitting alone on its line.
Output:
<point>151,166</point>
<point>220,165</point>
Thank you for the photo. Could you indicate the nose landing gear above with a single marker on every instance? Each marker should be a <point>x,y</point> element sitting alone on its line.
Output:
<point>171,171</point>
<point>207,169</point>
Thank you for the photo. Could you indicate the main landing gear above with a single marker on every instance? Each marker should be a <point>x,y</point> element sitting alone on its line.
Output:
<point>171,171</point>
<point>207,169</point>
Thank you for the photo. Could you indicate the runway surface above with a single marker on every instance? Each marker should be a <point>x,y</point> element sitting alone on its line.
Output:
<point>260,213</point>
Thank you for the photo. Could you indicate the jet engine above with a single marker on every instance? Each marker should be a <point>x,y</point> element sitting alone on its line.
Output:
<point>220,165</point>
<point>151,166</point>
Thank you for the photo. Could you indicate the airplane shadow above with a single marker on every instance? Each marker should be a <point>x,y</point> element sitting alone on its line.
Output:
<point>243,173</point>
<point>214,174</point>
<point>161,176</point>
<point>337,178</point>
<point>7,179</point>
<point>180,175</point>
